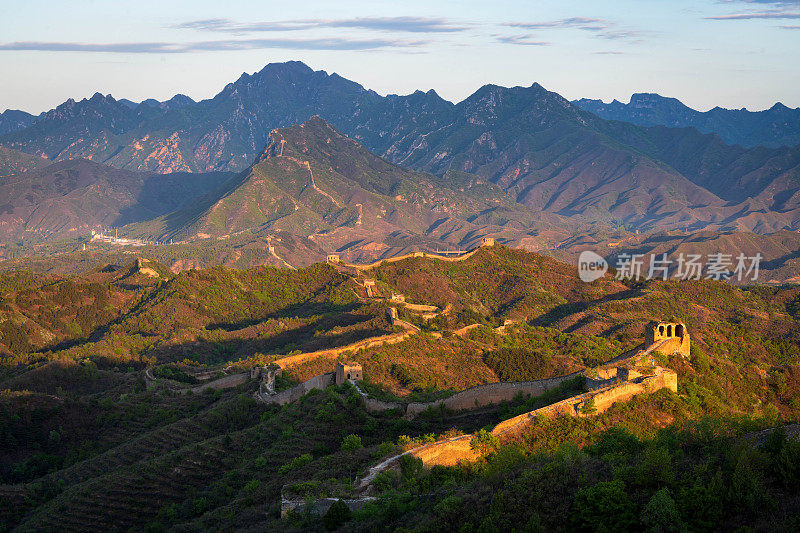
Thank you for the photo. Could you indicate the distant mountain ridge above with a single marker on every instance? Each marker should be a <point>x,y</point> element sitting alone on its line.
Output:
<point>14,119</point>
<point>544,152</point>
<point>313,182</point>
<point>71,198</point>
<point>773,127</point>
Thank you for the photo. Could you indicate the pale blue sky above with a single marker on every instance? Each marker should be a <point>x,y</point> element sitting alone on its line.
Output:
<point>714,52</point>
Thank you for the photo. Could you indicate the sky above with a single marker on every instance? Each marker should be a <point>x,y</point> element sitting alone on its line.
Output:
<point>707,53</point>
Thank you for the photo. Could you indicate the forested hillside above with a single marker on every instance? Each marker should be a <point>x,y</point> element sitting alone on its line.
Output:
<point>96,367</point>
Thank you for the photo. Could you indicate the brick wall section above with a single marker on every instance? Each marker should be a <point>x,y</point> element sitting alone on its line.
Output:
<point>603,399</point>
<point>450,451</point>
<point>393,338</point>
<point>419,308</point>
<point>296,392</point>
<point>493,393</point>
<point>320,507</point>
<point>426,255</point>
<point>371,404</point>
<point>447,452</point>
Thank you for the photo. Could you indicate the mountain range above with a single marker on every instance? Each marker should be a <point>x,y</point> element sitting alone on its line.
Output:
<point>317,156</point>
<point>73,197</point>
<point>773,127</point>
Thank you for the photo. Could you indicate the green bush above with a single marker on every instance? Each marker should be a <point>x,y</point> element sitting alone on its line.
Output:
<point>410,466</point>
<point>295,463</point>
<point>604,507</point>
<point>588,407</point>
<point>484,442</point>
<point>351,443</point>
<point>338,514</point>
<point>660,515</point>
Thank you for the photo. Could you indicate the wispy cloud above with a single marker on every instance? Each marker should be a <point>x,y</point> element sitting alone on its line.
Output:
<point>528,39</point>
<point>609,53</point>
<point>394,24</point>
<point>781,3</point>
<point>572,22</point>
<point>791,27</point>
<point>333,43</point>
<point>769,15</point>
<point>599,27</point>
<point>122,48</point>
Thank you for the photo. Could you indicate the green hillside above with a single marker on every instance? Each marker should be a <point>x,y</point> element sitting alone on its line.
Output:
<point>90,440</point>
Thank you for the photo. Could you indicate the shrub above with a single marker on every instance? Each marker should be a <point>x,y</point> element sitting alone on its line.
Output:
<point>588,407</point>
<point>338,514</point>
<point>200,506</point>
<point>604,507</point>
<point>661,515</point>
<point>484,442</point>
<point>351,443</point>
<point>410,466</point>
<point>297,462</point>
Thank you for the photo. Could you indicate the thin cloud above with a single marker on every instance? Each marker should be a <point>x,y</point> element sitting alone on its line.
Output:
<point>521,40</point>
<point>227,25</point>
<point>599,27</point>
<point>334,43</point>
<point>768,15</point>
<point>120,48</point>
<point>790,27</point>
<point>782,3</point>
<point>609,53</point>
<point>620,34</point>
<point>395,24</point>
<point>572,22</point>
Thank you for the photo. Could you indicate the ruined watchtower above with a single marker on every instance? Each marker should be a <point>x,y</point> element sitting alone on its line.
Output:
<point>347,371</point>
<point>672,337</point>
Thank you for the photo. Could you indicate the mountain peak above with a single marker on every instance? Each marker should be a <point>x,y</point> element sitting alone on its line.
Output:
<point>99,97</point>
<point>293,67</point>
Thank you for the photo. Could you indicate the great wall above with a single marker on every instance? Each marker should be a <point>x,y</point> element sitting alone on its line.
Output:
<point>630,374</point>
<point>335,259</point>
<point>621,379</point>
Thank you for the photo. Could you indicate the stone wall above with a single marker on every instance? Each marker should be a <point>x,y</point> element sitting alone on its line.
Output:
<point>447,452</point>
<point>296,392</point>
<point>603,399</point>
<point>426,255</point>
<point>420,308</point>
<point>492,393</point>
<point>392,338</point>
<point>450,451</point>
<point>320,507</point>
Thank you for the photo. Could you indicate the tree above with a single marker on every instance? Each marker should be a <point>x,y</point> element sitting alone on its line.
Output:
<point>351,443</point>
<point>588,407</point>
<point>660,515</point>
<point>484,442</point>
<point>338,514</point>
<point>604,507</point>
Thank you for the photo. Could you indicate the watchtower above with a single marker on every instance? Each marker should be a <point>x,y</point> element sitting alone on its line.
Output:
<point>398,298</point>
<point>348,371</point>
<point>672,337</point>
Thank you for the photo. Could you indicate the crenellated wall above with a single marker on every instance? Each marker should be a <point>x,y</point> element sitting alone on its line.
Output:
<point>295,393</point>
<point>392,338</point>
<point>427,255</point>
<point>492,393</point>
